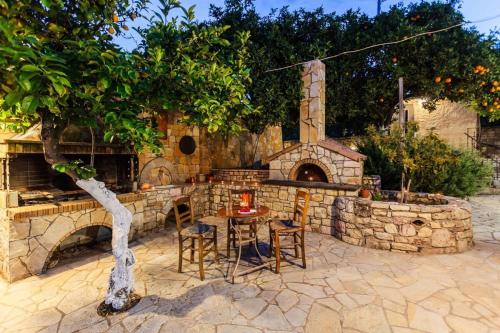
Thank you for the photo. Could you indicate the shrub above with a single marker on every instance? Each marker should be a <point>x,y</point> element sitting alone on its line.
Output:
<point>431,164</point>
<point>467,175</point>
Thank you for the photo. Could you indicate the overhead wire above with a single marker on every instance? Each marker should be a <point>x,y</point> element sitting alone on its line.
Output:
<point>385,43</point>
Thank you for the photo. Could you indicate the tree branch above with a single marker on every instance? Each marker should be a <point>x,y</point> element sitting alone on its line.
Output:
<point>50,136</point>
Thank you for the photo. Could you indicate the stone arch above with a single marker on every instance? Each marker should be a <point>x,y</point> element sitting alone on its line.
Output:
<point>292,175</point>
<point>106,223</point>
<point>158,172</point>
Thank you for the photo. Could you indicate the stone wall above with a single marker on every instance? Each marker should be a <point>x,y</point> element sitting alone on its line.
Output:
<point>280,200</point>
<point>240,175</point>
<point>30,234</point>
<point>445,227</point>
<point>238,151</point>
<point>179,165</point>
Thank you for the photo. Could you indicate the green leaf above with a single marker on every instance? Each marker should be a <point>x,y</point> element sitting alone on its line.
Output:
<point>59,88</point>
<point>108,137</point>
<point>30,104</point>
<point>13,97</point>
<point>30,68</point>
<point>59,167</point>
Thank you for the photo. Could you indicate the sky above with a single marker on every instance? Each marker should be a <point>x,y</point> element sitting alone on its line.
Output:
<point>472,9</point>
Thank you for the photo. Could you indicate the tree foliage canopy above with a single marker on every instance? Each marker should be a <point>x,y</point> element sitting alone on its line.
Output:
<point>362,89</point>
<point>58,64</point>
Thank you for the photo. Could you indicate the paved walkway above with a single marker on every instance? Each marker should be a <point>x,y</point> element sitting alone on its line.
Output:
<point>344,289</point>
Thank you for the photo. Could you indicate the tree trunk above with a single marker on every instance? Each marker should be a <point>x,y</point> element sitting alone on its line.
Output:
<point>121,280</point>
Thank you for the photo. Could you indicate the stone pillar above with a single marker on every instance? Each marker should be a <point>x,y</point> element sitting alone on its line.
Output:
<point>312,105</point>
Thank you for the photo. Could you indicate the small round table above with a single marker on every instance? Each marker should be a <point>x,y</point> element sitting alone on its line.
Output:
<point>234,213</point>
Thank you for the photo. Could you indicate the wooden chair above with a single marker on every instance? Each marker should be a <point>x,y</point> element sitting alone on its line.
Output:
<point>234,200</point>
<point>294,227</point>
<point>205,234</point>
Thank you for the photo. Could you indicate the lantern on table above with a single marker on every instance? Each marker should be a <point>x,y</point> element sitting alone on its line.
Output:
<point>245,202</point>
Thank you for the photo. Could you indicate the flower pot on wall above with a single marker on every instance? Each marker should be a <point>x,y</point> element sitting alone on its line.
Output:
<point>364,193</point>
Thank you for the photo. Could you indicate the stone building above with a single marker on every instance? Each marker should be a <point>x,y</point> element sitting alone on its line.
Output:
<point>453,122</point>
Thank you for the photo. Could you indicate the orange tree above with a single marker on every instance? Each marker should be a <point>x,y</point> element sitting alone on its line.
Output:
<point>362,89</point>
<point>59,66</point>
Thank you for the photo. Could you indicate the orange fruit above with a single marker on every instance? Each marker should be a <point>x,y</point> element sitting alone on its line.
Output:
<point>495,83</point>
<point>437,79</point>
<point>111,30</point>
<point>115,18</point>
<point>125,27</point>
<point>447,80</point>
<point>491,109</point>
<point>493,89</point>
<point>482,83</point>
<point>461,90</point>
<point>485,103</point>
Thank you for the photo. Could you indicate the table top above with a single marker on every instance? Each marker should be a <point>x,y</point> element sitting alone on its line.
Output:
<point>260,211</point>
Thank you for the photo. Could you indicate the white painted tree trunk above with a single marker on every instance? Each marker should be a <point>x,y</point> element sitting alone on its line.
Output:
<point>121,280</point>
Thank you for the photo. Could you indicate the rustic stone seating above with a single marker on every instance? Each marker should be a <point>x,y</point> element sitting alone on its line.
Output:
<point>294,227</point>
<point>235,199</point>
<point>205,234</point>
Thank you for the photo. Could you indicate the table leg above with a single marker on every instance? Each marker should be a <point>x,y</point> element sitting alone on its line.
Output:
<point>237,231</point>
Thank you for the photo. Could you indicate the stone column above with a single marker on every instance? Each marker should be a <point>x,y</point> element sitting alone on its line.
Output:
<point>312,105</point>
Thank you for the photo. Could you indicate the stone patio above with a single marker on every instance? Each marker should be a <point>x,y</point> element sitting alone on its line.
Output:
<point>344,289</point>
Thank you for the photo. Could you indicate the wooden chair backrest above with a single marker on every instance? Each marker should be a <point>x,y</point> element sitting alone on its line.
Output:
<point>301,207</point>
<point>183,216</point>
<point>235,196</point>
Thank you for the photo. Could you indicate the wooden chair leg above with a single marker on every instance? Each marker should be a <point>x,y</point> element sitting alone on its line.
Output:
<point>191,257</point>
<point>181,245</point>
<point>270,253</point>
<point>228,249</point>
<point>296,244</point>
<point>216,251</point>
<point>303,249</point>
<point>201,251</point>
<point>277,251</point>
<point>255,234</point>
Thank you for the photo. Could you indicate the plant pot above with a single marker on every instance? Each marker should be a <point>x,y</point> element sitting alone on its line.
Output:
<point>364,193</point>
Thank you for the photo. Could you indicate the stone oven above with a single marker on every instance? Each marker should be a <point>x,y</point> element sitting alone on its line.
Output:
<point>316,158</point>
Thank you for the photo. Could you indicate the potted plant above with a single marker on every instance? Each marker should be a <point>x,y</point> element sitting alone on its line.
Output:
<point>364,193</point>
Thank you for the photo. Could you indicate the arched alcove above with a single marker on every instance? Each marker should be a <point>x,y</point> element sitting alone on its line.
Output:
<point>78,244</point>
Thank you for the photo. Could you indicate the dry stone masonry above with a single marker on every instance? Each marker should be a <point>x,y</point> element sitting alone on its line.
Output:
<point>433,225</point>
<point>29,235</point>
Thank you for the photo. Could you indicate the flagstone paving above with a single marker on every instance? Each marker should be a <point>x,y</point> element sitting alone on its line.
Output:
<point>344,289</point>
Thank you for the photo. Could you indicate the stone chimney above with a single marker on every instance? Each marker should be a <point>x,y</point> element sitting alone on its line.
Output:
<point>312,105</point>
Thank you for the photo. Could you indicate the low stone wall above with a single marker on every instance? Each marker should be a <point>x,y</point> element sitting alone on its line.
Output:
<point>444,227</point>
<point>30,234</point>
<point>280,200</point>
<point>246,175</point>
